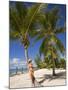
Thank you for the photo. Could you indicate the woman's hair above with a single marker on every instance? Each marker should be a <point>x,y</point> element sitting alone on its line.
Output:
<point>29,61</point>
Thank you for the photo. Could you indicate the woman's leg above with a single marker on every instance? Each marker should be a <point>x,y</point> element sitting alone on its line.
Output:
<point>33,79</point>
<point>31,73</point>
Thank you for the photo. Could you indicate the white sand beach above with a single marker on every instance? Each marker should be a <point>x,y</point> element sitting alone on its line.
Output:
<point>43,76</point>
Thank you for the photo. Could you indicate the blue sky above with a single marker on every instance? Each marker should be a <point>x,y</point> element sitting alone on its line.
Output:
<point>17,49</point>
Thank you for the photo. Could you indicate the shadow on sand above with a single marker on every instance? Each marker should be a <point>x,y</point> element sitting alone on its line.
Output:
<point>60,75</point>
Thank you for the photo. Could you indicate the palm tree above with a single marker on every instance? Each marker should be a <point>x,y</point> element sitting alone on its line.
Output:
<point>62,63</point>
<point>53,54</point>
<point>22,22</point>
<point>48,33</point>
<point>39,62</point>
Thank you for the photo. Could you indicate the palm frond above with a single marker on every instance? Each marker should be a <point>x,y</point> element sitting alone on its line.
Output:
<point>44,46</point>
<point>59,44</point>
<point>14,20</point>
<point>60,30</point>
<point>14,35</point>
<point>34,14</point>
<point>54,17</point>
<point>21,9</point>
<point>39,37</point>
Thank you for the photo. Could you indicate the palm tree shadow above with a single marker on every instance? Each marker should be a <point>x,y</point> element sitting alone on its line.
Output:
<point>60,75</point>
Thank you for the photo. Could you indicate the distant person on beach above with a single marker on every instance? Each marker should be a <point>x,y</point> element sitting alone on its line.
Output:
<point>22,69</point>
<point>16,70</point>
<point>31,71</point>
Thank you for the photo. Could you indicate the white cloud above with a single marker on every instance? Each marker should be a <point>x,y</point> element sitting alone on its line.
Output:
<point>17,62</point>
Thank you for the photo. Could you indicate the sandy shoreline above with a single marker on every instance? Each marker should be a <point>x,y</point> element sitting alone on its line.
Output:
<point>44,76</point>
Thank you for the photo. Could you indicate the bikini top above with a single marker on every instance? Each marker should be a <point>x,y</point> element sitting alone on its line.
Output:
<point>30,66</point>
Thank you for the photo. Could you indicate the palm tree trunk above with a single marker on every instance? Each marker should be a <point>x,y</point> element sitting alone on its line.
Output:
<point>53,68</point>
<point>53,63</point>
<point>26,54</point>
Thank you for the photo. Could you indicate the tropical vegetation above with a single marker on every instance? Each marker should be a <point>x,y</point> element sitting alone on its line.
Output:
<point>48,32</point>
<point>48,64</point>
<point>36,22</point>
<point>22,23</point>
